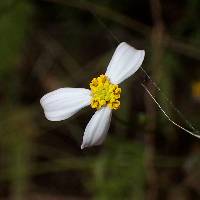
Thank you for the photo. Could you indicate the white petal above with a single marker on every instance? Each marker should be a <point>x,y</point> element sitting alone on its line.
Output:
<point>97,128</point>
<point>64,102</point>
<point>125,62</point>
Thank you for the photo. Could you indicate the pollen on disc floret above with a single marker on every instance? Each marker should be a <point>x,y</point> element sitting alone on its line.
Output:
<point>104,93</point>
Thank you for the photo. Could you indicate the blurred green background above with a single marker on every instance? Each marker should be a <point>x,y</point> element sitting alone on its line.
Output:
<point>48,44</point>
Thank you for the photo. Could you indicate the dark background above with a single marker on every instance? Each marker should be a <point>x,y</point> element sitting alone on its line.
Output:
<point>48,44</point>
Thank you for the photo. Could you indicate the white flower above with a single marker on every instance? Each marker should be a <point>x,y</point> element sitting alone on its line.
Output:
<point>103,96</point>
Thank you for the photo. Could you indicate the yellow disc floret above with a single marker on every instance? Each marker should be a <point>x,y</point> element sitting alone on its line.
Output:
<point>104,93</point>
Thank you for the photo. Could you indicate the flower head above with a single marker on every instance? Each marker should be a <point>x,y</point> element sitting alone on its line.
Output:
<point>104,95</point>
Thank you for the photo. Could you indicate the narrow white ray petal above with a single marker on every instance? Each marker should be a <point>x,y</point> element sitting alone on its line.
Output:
<point>125,62</point>
<point>97,127</point>
<point>64,102</point>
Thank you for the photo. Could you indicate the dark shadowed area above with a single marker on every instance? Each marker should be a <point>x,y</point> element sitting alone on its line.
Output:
<point>50,44</point>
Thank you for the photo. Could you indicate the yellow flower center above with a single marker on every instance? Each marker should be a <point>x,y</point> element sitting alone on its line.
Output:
<point>104,93</point>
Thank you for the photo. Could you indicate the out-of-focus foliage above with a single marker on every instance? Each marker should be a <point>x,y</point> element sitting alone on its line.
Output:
<point>119,171</point>
<point>14,25</point>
